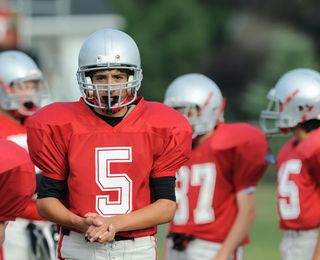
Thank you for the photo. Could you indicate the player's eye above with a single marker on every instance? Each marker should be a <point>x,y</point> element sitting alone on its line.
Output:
<point>98,78</point>
<point>120,76</point>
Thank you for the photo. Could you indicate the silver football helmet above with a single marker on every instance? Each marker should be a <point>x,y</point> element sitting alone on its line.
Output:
<point>109,49</point>
<point>294,99</point>
<point>22,87</point>
<point>201,101</point>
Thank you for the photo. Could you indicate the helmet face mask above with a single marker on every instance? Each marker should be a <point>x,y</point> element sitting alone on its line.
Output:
<point>191,113</point>
<point>22,87</point>
<point>110,97</point>
<point>294,100</point>
<point>24,96</point>
<point>109,50</point>
<point>199,99</point>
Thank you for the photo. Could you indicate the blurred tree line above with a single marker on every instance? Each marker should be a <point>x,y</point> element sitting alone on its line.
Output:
<point>244,46</point>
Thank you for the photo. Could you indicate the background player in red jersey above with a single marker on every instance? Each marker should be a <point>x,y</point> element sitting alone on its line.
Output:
<point>109,160</point>
<point>295,106</point>
<point>22,92</point>
<point>216,187</point>
<point>17,182</point>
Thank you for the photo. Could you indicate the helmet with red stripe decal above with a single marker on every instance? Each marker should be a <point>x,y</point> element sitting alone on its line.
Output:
<point>199,99</point>
<point>294,100</point>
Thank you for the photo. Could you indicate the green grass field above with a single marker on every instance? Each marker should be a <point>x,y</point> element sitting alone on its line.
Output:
<point>265,235</point>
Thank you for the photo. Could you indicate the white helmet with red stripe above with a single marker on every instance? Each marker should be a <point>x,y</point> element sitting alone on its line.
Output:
<point>294,100</point>
<point>200,98</point>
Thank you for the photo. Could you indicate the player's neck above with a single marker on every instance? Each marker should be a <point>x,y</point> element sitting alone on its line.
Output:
<point>299,133</point>
<point>200,139</point>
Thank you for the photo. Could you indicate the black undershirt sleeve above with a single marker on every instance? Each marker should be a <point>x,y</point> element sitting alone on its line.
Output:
<point>163,188</point>
<point>51,188</point>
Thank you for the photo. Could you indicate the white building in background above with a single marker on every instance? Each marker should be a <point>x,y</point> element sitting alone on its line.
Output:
<point>54,31</point>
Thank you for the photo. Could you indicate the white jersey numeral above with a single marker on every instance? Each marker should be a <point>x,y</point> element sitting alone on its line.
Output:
<point>107,181</point>
<point>289,204</point>
<point>204,176</point>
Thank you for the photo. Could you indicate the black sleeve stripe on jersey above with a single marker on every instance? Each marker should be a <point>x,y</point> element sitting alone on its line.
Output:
<point>51,188</point>
<point>163,188</point>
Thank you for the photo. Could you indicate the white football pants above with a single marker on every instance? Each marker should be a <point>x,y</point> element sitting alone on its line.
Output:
<point>17,244</point>
<point>75,247</point>
<point>198,249</point>
<point>298,245</point>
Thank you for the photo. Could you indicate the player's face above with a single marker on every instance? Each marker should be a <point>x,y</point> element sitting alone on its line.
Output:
<point>25,88</point>
<point>188,112</point>
<point>115,77</point>
<point>26,91</point>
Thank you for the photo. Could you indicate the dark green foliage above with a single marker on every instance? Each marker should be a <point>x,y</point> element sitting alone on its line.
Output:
<point>174,37</point>
<point>244,46</point>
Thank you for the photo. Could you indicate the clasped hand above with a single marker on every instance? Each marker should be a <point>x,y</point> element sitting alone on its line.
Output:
<point>100,229</point>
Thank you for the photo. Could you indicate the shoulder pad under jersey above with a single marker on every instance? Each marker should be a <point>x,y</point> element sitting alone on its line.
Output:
<point>158,114</point>
<point>12,155</point>
<point>229,135</point>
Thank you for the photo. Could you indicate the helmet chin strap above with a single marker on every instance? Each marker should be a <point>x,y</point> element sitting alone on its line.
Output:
<point>111,111</point>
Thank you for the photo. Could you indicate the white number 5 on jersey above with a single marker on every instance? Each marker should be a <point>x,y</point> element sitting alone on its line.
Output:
<point>108,181</point>
<point>289,204</point>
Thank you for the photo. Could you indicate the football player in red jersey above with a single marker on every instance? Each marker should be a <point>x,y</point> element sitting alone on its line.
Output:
<point>295,107</point>
<point>109,160</point>
<point>22,92</point>
<point>17,181</point>
<point>216,187</point>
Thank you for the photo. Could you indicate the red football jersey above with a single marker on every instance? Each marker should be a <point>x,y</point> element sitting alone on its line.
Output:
<point>108,168</point>
<point>228,161</point>
<point>9,127</point>
<point>13,131</point>
<point>298,165</point>
<point>17,180</point>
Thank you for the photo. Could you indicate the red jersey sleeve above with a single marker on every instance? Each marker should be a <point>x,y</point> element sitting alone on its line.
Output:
<point>47,146</point>
<point>175,154</point>
<point>250,161</point>
<point>310,148</point>
<point>17,180</point>
<point>31,211</point>
<point>173,136</point>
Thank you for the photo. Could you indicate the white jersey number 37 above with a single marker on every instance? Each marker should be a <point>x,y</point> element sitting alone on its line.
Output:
<point>113,181</point>
<point>204,176</point>
<point>289,204</point>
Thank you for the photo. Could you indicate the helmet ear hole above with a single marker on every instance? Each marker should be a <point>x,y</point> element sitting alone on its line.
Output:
<point>129,90</point>
<point>88,80</point>
<point>89,88</point>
